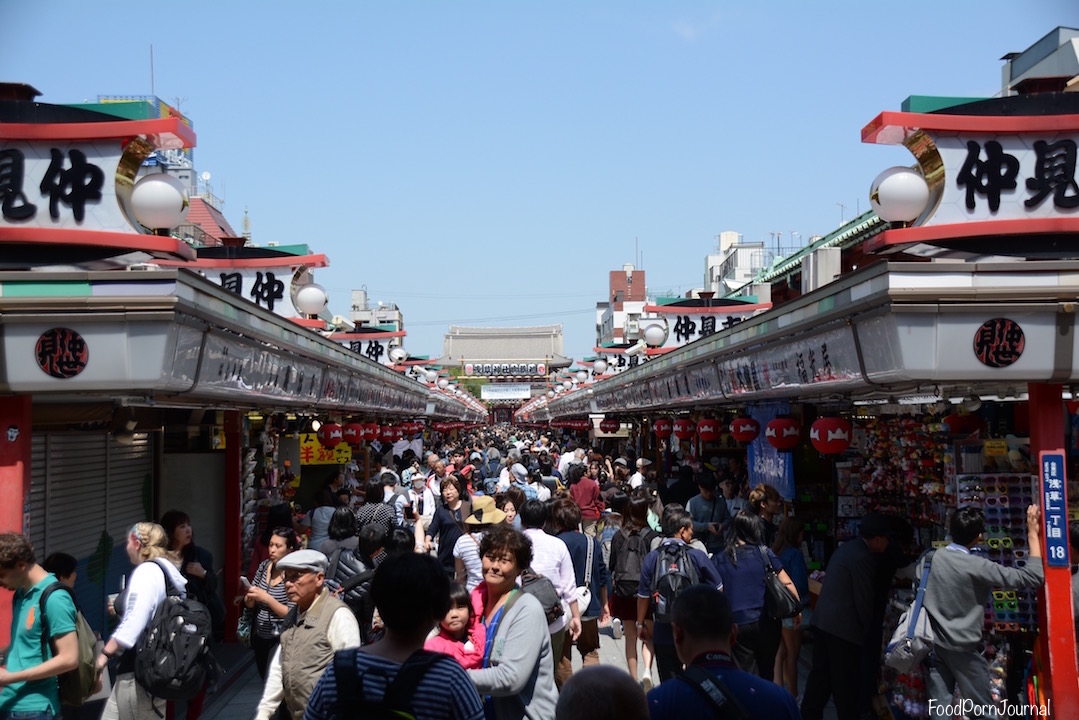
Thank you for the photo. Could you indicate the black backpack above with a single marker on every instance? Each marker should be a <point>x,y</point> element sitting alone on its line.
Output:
<point>675,571</point>
<point>78,684</point>
<point>396,703</point>
<point>543,589</point>
<point>172,658</point>
<point>626,573</point>
<point>352,573</point>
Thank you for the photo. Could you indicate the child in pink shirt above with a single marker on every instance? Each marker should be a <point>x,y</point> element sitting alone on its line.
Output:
<point>461,635</point>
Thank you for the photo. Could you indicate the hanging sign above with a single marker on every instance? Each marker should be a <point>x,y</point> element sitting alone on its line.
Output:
<point>505,391</point>
<point>312,452</point>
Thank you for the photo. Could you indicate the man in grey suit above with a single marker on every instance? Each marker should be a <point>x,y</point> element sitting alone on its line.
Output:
<point>841,620</point>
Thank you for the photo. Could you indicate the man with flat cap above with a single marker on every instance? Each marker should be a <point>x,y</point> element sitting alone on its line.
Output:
<point>317,627</point>
<point>841,622</point>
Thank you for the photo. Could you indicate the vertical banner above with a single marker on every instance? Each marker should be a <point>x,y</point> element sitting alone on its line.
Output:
<point>765,463</point>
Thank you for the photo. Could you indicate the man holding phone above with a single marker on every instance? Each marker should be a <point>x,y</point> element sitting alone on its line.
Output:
<point>421,501</point>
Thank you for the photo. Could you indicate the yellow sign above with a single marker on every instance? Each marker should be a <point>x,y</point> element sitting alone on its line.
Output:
<point>996,447</point>
<point>312,452</point>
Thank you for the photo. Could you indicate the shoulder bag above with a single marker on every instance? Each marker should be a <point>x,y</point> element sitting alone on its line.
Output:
<point>584,592</point>
<point>913,638</point>
<point>779,601</point>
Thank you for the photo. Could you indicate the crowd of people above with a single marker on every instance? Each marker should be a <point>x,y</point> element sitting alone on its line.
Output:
<point>459,585</point>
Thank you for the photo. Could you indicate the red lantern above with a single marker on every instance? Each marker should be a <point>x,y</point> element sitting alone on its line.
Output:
<point>830,435</point>
<point>708,430</point>
<point>962,424</point>
<point>391,433</point>
<point>609,425</point>
<point>683,429</point>
<point>663,428</point>
<point>745,429</point>
<point>783,433</point>
<point>352,433</point>
<point>371,432</point>
<point>330,434</point>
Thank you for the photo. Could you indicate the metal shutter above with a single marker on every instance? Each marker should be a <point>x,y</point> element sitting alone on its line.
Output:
<point>86,483</point>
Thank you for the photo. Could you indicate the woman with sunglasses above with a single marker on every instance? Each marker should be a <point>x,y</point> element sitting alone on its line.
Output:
<point>960,584</point>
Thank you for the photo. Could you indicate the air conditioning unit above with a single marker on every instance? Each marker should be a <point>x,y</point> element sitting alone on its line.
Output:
<point>632,328</point>
<point>819,268</point>
<point>272,243</point>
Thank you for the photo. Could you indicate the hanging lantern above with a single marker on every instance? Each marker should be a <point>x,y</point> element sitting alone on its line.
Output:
<point>830,435</point>
<point>708,430</point>
<point>330,434</point>
<point>371,432</point>
<point>663,428</point>
<point>783,433</point>
<point>683,428</point>
<point>389,433</point>
<point>609,425</point>
<point>352,433</point>
<point>745,429</point>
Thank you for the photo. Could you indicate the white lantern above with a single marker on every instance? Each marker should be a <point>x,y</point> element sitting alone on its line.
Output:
<point>398,354</point>
<point>599,367</point>
<point>582,375</point>
<point>899,194</point>
<point>550,393</point>
<point>311,299</point>
<point>655,335</point>
<point>444,383</point>
<point>159,201</point>
<point>566,384</point>
<point>431,376</point>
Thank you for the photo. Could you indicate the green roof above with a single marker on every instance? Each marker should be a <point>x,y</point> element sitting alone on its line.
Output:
<point>930,103</point>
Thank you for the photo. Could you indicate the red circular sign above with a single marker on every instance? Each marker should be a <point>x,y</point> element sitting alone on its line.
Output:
<point>999,342</point>
<point>61,353</point>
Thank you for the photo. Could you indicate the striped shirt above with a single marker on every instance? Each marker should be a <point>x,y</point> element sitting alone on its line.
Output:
<point>267,624</point>
<point>444,693</point>
<point>467,548</point>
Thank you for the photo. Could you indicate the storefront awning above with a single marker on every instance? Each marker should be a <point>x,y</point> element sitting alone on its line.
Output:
<point>172,338</point>
<point>889,329</point>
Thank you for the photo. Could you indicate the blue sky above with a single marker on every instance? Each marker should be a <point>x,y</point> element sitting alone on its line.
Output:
<point>486,163</point>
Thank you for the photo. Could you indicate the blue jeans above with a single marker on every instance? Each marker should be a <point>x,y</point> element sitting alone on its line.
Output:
<point>31,715</point>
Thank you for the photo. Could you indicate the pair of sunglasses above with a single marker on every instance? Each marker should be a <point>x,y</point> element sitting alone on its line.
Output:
<point>1004,594</point>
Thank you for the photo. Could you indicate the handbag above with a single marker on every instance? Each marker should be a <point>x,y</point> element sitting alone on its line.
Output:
<point>243,627</point>
<point>779,602</point>
<point>584,592</point>
<point>913,638</point>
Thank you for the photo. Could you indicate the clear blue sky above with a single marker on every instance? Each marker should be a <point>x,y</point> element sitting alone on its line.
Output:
<point>477,161</point>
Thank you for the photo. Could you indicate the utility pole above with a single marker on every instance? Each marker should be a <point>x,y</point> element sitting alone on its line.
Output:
<point>842,212</point>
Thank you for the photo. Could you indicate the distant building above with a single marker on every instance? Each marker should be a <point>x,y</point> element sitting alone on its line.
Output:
<point>383,316</point>
<point>1049,65</point>
<point>618,316</point>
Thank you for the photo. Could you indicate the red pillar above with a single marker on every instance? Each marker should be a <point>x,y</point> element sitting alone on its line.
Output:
<point>16,414</point>
<point>233,520</point>
<point>1057,629</point>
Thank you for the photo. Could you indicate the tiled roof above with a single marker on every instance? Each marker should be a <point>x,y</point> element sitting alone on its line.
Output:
<point>210,220</point>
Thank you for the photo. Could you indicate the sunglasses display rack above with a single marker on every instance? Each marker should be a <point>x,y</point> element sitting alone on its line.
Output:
<point>1004,498</point>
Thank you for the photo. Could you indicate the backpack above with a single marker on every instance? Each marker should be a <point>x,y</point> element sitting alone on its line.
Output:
<point>627,568</point>
<point>491,473</point>
<point>352,573</point>
<point>172,658</point>
<point>396,703</point>
<point>543,589</point>
<point>675,571</point>
<point>78,684</point>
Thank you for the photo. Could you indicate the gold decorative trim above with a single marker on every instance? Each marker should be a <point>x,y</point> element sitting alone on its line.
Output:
<point>925,151</point>
<point>135,152</point>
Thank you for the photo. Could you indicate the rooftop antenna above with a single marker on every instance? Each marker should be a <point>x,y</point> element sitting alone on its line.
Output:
<point>247,225</point>
<point>636,251</point>
<point>152,92</point>
<point>842,211</point>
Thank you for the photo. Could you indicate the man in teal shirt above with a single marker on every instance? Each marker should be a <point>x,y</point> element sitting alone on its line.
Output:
<point>28,679</point>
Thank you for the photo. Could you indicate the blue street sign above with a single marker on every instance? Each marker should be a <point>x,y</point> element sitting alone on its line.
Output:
<point>1054,510</point>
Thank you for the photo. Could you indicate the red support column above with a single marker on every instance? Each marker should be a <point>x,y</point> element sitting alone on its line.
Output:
<point>1056,636</point>
<point>16,420</point>
<point>233,519</point>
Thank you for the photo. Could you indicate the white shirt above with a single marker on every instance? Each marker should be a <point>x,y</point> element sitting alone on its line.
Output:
<point>343,634</point>
<point>636,479</point>
<point>429,505</point>
<point>145,591</point>
<point>543,493</point>
<point>550,558</point>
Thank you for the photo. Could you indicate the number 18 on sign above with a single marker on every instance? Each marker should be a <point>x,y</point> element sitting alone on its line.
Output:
<point>1054,508</point>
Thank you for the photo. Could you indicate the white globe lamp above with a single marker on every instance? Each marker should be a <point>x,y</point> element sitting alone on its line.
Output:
<point>444,383</point>
<point>566,384</point>
<point>311,299</point>
<point>159,201</point>
<point>599,367</point>
<point>899,194</point>
<point>431,376</point>
<point>655,335</point>
<point>398,354</point>
<point>550,393</point>
<point>582,376</point>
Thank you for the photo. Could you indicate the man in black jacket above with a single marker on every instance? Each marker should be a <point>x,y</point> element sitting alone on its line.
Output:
<point>841,619</point>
